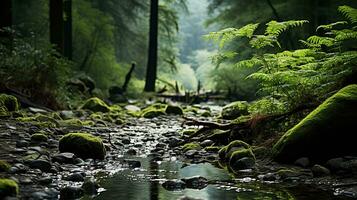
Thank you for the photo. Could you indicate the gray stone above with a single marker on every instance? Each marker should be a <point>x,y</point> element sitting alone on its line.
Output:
<point>195,182</point>
<point>66,114</point>
<point>302,162</point>
<point>243,163</point>
<point>43,165</point>
<point>75,177</point>
<point>65,157</point>
<point>206,143</point>
<point>133,163</point>
<point>174,184</point>
<point>71,193</point>
<point>191,153</point>
<point>319,171</point>
<point>22,143</point>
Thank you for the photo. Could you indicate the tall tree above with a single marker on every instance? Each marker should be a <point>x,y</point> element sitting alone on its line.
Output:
<point>5,15</point>
<point>56,25</point>
<point>68,29</point>
<point>151,69</point>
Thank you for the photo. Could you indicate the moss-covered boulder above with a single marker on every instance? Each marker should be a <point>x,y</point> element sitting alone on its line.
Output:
<point>153,110</point>
<point>83,145</point>
<point>8,188</point>
<point>327,132</point>
<point>96,105</point>
<point>237,155</point>
<point>235,109</point>
<point>191,146</point>
<point>4,166</point>
<point>8,104</point>
<point>173,110</point>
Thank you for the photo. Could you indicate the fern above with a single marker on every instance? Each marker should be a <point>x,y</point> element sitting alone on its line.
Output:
<point>349,12</point>
<point>317,40</point>
<point>328,27</point>
<point>275,28</point>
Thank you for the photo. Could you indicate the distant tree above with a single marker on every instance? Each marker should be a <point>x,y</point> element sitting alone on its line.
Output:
<point>5,15</point>
<point>57,25</point>
<point>68,29</point>
<point>151,69</point>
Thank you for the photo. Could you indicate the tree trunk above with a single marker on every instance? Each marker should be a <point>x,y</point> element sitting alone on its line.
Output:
<point>151,69</point>
<point>5,16</point>
<point>56,25</point>
<point>68,29</point>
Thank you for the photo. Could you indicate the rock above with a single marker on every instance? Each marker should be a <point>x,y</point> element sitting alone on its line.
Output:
<point>131,152</point>
<point>126,141</point>
<point>174,184</point>
<point>37,110</point>
<point>96,105</point>
<point>133,163</point>
<point>287,173</point>
<point>335,164</point>
<point>66,114</point>
<point>45,180</point>
<point>191,146</point>
<point>206,143</point>
<point>18,168</point>
<point>132,108</point>
<point>22,143</point>
<point>65,157</point>
<point>325,133</point>
<point>195,182</point>
<point>9,188</point>
<point>268,177</point>
<point>71,193</point>
<point>43,165</point>
<point>45,194</point>
<point>191,153</point>
<point>83,145</point>
<point>153,113</point>
<point>302,162</point>
<point>319,171</point>
<point>90,187</point>
<point>39,137</point>
<point>173,110</point>
<point>174,142</point>
<point>243,163</point>
<point>75,177</point>
<point>235,110</point>
<point>188,198</point>
<point>8,104</point>
<point>4,166</point>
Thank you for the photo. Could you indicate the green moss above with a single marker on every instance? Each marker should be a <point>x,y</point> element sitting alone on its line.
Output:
<point>8,187</point>
<point>175,110</point>
<point>116,108</point>
<point>152,113</point>
<point>191,146</point>
<point>96,116</point>
<point>96,105</point>
<point>286,173</point>
<point>39,137</point>
<point>213,149</point>
<point>191,109</point>
<point>8,104</point>
<point>40,120</point>
<point>189,132</point>
<point>325,133</point>
<point>56,116</point>
<point>234,151</point>
<point>234,110</point>
<point>76,122</point>
<point>83,145</point>
<point>4,166</point>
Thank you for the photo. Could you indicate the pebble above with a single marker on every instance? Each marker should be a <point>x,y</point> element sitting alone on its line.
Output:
<point>43,165</point>
<point>174,184</point>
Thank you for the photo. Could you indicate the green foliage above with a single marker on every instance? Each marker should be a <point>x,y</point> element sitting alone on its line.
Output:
<point>349,12</point>
<point>302,76</point>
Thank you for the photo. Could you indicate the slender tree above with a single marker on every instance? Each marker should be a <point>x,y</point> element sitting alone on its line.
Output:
<point>5,15</point>
<point>68,29</point>
<point>151,69</point>
<point>56,25</point>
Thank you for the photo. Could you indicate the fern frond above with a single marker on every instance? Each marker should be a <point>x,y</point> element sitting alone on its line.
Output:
<point>261,41</point>
<point>247,30</point>
<point>249,63</point>
<point>328,27</point>
<point>345,34</point>
<point>318,40</point>
<point>275,28</point>
<point>349,12</point>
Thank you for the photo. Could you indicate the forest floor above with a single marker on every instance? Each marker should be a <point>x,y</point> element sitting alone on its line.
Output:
<point>44,173</point>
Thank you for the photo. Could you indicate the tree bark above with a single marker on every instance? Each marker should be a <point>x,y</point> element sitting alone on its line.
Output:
<point>5,16</point>
<point>56,25</point>
<point>151,69</point>
<point>68,29</point>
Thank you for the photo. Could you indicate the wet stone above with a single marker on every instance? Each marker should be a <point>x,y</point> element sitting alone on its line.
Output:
<point>75,177</point>
<point>319,171</point>
<point>243,163</point>
<point>131,152</point>
<point>174,184</point>
<point>206,143</point>
<point>125,141</point>
<point>196,182</point>
<point>302,162</point>
<point>90,187</point>
<point>71,193</point>
<point>45,180</point>
<point>43,165</point>
<point>268,177</point>
<point>22,143</point>
<point>191,153</point>
<point>133,163</point>
<point>65,157</point>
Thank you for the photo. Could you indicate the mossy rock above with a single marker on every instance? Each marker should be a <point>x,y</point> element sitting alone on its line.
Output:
<point>233,152</point>
<point>188,132</point>
<point>325,133</point>
<point>40,120</point>
<point>76,122</point>
<point>39,137</point>
<point>8,188</point>
<point>96,105</point>
<point>4,166</point>
<point>191,146</point>
<point>213,149</point>
<point>8,103</point>
<point>83,145</point>
<point>173,110</point>
<point>152,113</point>
<point>235,109</point>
